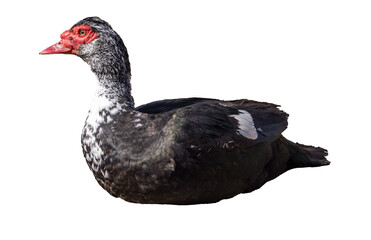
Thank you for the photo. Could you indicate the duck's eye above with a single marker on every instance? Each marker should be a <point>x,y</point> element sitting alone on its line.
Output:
<point>82,33</point>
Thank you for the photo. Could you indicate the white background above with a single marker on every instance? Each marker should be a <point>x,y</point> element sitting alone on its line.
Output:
<point>311,57</point>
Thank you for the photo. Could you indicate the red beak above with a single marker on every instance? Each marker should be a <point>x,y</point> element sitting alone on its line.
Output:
<point>59,47</point>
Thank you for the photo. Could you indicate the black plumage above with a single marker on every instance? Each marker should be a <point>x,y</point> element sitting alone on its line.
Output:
<point>179,151</point>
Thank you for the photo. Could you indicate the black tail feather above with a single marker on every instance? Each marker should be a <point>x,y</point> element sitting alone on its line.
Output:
<point>307,156</point>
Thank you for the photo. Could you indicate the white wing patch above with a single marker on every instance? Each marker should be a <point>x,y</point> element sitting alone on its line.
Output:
<point>246,125</point>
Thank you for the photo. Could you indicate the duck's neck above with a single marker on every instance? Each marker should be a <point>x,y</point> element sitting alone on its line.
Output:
<point>112,69</point>
<point>116,89</point>
<point>112,98</point>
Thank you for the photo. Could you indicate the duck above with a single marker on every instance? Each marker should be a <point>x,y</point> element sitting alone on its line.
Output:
<point>175,151</point>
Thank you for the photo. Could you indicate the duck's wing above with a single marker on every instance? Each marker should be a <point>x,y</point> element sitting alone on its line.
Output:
<point>223,147</point>
<point>169,104</point>
<point>220,122</point>
<point>218,147</point>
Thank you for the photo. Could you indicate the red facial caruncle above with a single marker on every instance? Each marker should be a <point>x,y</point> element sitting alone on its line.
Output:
<point>71,40</point>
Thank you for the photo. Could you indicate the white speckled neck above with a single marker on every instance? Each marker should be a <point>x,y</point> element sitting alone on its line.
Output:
<point>103,110</point>
<point>101,102</point>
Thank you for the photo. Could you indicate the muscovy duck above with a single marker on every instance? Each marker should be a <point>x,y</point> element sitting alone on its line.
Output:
<point>179,151</point>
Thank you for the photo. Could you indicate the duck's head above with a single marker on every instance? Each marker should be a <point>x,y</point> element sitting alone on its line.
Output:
<point>90,38</point>
<point>94,40</point>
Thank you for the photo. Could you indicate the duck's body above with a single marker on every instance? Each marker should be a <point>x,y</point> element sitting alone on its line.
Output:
<point>187,151</point>
<point>181,151</point>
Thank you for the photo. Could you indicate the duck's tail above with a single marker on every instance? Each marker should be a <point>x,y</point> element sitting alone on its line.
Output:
<point>306,156</point>
<point>288,155</point>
